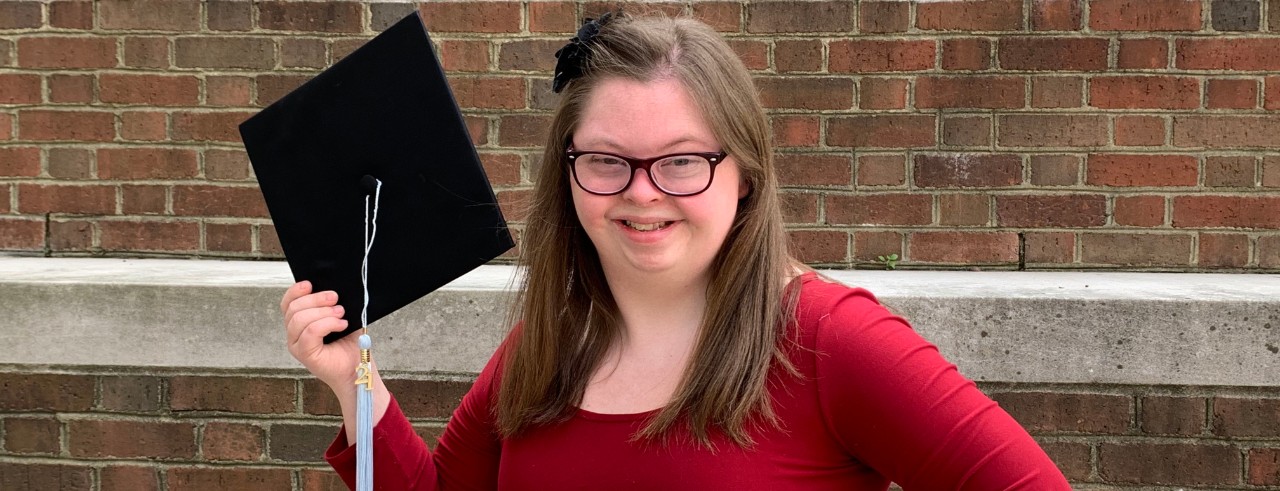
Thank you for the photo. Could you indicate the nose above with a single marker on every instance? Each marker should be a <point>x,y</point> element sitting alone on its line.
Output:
<point>642,188</point>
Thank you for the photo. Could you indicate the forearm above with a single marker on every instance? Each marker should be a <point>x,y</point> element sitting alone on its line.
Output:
<point>347,401</point>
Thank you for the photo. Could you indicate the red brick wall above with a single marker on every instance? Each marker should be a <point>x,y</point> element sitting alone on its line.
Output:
<point>1138,134</point>
<point>132,430</point>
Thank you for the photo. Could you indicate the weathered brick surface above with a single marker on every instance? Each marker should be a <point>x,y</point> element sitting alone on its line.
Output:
<point>216,478</point>
<point>963,247</point>
<point>258,395</point>
<point>1169,463</point>
<point>125,439</point>
<point>880,209</point>
<point>1241,417</point>
<point>1080,413</point>
<point>1135,249</point>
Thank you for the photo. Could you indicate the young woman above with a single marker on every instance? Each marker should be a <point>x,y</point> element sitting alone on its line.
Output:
<point>664,339</point>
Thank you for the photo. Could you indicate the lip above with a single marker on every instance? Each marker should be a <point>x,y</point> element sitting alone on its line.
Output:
<point>647,237</point>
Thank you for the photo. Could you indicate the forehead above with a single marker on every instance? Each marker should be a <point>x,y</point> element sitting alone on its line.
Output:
<point>642,117</point>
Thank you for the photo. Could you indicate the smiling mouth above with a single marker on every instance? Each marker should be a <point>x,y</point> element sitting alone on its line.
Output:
<point>646,227</point>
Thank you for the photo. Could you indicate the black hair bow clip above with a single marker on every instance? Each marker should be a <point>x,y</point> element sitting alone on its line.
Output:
<point>572,58</point>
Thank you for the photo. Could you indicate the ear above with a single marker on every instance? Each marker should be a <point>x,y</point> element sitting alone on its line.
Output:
<point>744,187</point>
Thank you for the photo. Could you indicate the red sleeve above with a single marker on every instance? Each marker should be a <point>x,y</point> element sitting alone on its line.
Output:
<point>898,406</point>
<point>466,457</point>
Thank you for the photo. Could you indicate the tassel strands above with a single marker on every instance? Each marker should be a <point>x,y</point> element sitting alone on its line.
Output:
<point>364,379</point>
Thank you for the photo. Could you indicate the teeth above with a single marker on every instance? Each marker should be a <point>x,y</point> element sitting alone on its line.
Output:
<point>645,227</point>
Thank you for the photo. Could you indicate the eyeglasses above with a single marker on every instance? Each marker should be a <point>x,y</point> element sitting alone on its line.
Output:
<point>678,174</point>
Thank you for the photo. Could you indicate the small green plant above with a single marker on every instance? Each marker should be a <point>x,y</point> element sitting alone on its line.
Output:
<point>889,262</point>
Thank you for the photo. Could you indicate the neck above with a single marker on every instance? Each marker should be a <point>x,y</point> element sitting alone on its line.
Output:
<point>659,308</point>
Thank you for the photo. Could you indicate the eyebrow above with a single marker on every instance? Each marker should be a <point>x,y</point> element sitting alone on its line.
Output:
<point>615,146</point>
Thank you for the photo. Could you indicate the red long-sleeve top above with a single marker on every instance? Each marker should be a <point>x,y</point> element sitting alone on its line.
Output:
<point>875,403</point>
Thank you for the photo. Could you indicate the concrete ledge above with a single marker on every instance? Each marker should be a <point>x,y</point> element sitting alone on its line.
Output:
<point>1035,327</point>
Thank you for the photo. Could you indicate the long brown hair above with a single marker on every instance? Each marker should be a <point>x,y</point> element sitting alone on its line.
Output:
<point>568,313</point>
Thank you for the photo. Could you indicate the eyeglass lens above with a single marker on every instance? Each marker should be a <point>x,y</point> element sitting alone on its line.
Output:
<point>677,174</point>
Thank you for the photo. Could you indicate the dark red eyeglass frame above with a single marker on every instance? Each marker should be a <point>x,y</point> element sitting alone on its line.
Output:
<point>714,158</point>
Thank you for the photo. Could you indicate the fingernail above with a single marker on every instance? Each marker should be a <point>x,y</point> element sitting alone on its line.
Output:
<point>338,310</point>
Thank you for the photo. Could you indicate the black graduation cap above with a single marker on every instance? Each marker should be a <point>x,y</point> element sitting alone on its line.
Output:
<point>384,111</point>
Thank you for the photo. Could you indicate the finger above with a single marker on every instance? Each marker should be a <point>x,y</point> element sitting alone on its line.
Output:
<point>327,298</point>
<point>300,320</point>
<point>311,338</point>
<point>297,290</point>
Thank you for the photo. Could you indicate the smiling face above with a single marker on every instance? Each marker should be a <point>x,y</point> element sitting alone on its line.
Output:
<point>643,230</point>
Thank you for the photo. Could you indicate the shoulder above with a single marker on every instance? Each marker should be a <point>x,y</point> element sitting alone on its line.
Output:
<point>826,307</point>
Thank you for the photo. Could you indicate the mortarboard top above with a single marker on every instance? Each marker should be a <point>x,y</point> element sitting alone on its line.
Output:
<point>384,111</point>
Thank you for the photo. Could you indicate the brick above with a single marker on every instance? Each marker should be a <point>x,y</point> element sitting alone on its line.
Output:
<point>1073,459</point>
<point>882,93</point>
<point>326,480</point>
<point>19,162</point>
<point>966,54</point>
<point>557,17</point>
<point>478,128</point>
<point>754,54</point>
<point>1143,53</point>
<point>528,55</point>
<point>1231,132</point>
<point>489,92</point>
<point>150,15</point>
<point>501,168</point>
<point>152,90</point>
<point>795,131</point>
<point>232,441</point>
<point>967,170</point>
<point>1268,251</point>
<point>819,246</point>
<point>1171,415</point>
<point>963,247</point>
<point>45,476</point>
<point>230,237</point>
<point>6,126</point>
<point>129,478</point>
<point>799,207</point>
<point>1057,211</point>
<point>1053,53</point>
<point>144,126</point>
<point>224,52</point>
<point>813,93</point>
<point>146,51</point>
<point>523,130</point>
<point>1273,13</point>
<point>880,209</point>
<point>964,209</point>
<point>967,131</point>
<point>21,235</point>
<point>881,170</point>
<point>1271,94</point>
<point>1059,412</point>
<point>515,204</point>
<point>1056,15</point>
<point>70,235</point>
<point>596,8</point>
<point>149,236</point>
<point>383,15</point>
<point>66,52</point>
<point>228,90</point>
<point>144,200</point>
<point>71,89</point>
<point>1226,211</point>
<point>1144,15</point>
<point>1150,92</point>
<point>814,169</point>
<point>87,200</point>
<point>253,395</point>
<point>303,53</point>
<point>225,201</point>
<point>20,15</point>
<point>1052,130</point>
<point>990,92</point>
<point>1140,131</point>
<point>132,394</point>
<point>215,478</point>
<point>797,55</point>
<point>881,17</point>
<point>1271,171</point>
<point>1226,93</point>
<point>1139,211</point>
<point>721,16</point>
<point>1050,247</point>
<point>974,15</point>
<point>1220,53</point>
<point>19,89</point>
<point>269,242</point>
<point>1223,250</point>
<point>845,56</point>
<point>1236,15</point>
<point>1141,170</point>
<point>340,17</point>
<point>480,17</point>
<point>788,17</point>
<point>1240,417</point>
<point>221,126</point>
<point>71,15</point>
<point>6,50</point>
<point>318,398</point>
<point>32,435</point>
<point>1169,463</point>
<point>300,443</point>
<point>867,246</point>
<point>1264,466</point>
<point>229,15</point>
<point>1055,170</point>
<point>1136,249</point>
<point>464,55</point>
<point>1228,171</point>
<point>340,48</point>
<point>882,131</point>
<point>272,87</point>
<point>125,439</point>
<point>426,398</point>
